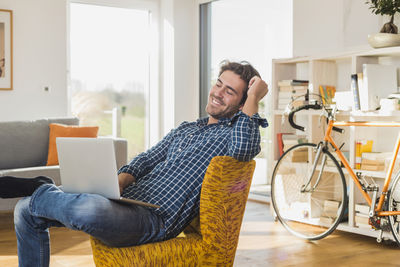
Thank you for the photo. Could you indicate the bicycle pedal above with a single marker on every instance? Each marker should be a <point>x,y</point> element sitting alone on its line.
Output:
<point>379,237</point>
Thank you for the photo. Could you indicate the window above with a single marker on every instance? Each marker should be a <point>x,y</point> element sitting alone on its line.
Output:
<point>109,71</point>
<point>255,31</point>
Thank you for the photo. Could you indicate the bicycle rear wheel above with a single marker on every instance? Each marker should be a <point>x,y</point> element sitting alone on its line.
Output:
<point>310,209</point>
<point>394,205</point>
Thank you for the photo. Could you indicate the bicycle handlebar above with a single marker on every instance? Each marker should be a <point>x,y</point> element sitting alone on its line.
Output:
<point>291,114</point>
<point>309,106</point>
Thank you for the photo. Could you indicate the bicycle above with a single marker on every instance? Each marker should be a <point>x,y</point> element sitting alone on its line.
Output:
<point>307,178</point>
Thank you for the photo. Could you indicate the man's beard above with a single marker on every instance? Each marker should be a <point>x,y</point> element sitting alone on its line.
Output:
<point>224,114</point>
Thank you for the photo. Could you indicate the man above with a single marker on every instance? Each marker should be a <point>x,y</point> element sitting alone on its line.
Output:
<point>169,174</point>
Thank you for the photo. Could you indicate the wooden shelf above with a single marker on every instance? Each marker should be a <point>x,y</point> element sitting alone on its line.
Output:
<point>378,113</point>
<point>344,226</point>
<point>336,70</point>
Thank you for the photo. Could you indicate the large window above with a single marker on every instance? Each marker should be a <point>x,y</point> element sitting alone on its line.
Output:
<point>245,30</point>
<point>109,70</point>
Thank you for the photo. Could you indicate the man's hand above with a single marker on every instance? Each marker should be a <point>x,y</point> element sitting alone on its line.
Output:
<point>124,180</point>
<point>257,90</point>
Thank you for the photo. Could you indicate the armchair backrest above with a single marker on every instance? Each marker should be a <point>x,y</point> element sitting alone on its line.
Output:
<point>223,199</point>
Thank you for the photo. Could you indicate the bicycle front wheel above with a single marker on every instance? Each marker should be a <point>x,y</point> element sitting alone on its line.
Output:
<point>309,205</point>
<point>394,205</point>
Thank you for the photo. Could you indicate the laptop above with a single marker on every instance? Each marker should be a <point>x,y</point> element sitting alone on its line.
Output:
<point>88,165</point>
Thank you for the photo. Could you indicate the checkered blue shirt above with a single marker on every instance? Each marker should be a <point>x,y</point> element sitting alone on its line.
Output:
<point>170,173</point>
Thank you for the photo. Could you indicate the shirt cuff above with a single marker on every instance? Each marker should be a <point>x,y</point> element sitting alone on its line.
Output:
<point>254,118</point>
<point>126,169</point>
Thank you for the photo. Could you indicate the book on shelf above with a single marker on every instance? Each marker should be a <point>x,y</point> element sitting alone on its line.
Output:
<point>326,220</point>
<point>372,165</point>
<point>376,155</point>
<point>329,211</point>
<point>361,216</point>
<point>362,208</point>
<point>360,82</point>
<point>290,94</point>
<point>376,161</point>
<point>362,146</point>
<point>328,93</point>
<point>358,155</point>
<point>299,89</point>
<point>362,220</point>
<point>287,140</point>
<point>300,155</point>
<point>292,82</point>
<point>355,91</point>
<point>331,205</point>
<point>280,142</point>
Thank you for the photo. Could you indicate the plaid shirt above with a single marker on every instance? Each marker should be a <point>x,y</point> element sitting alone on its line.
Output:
<point>170,173</point>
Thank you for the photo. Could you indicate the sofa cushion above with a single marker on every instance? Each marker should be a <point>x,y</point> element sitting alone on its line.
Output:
<point>60,130</point>
<point>25,143</point>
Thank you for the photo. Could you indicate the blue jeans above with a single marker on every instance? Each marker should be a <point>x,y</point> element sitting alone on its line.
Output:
<point>115,224</point>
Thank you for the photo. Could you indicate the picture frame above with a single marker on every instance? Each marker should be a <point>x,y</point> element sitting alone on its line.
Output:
<point>6,49</point>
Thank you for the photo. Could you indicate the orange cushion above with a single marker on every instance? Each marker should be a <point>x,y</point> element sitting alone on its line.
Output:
<point>61,130</point>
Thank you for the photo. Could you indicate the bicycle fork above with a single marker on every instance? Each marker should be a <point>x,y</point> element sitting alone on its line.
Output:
<point>314,167</point>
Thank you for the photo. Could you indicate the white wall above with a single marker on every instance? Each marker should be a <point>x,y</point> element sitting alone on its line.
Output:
<point>40,30</point>
<point>332,26</point>
<point>39,60</point>
<point>179,58</point>
<point>186,86</point>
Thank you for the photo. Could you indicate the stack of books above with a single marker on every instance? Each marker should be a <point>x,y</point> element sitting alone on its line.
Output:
<point>287,140</point>
<point>299,155</point>
<point>361,217</point>
<point>289,90</point>
<point>329,212</point>
<point>378,161</point>
<point>372,161</point>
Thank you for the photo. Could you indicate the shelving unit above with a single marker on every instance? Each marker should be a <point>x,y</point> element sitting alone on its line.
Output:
<point>336,70</point>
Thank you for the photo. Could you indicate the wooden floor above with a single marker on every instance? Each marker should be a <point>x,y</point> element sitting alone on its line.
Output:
<point>262,242</point>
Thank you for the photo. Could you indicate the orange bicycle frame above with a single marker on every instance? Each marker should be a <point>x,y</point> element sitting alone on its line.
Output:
<point>385,188</point>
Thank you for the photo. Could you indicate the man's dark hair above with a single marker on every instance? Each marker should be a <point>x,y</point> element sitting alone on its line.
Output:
<point>244,69</point>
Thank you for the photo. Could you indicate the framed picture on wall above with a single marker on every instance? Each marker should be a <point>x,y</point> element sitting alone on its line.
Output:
<point>6,53</point>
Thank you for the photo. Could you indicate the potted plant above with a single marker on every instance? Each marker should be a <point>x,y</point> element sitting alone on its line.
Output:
<point>388,35</point>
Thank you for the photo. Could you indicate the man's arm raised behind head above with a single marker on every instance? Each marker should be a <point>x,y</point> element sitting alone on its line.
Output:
<point>258,88</point>
<point>245,140</point>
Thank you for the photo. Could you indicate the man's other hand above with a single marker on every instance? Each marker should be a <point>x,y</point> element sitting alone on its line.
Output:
<point>124,180</point>
<point>257,88</point>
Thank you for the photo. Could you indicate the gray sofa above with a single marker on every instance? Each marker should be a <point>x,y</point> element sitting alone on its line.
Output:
<point>24,146</point>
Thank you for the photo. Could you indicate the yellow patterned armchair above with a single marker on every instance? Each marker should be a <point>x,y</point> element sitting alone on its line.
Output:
<point>212,241</point>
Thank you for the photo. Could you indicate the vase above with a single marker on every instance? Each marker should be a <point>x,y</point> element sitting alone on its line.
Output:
<point>379,40</point>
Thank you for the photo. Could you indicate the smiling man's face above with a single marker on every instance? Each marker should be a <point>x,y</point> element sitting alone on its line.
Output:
<point>225,96</point>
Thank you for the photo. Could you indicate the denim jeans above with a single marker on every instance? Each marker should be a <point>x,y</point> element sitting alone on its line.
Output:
<point>115,224</point>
